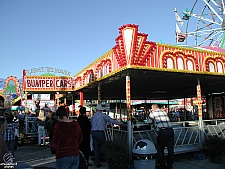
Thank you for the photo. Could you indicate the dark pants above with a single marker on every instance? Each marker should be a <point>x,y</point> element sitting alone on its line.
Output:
<point>98,140</point>
<point>16,143</point>
<point>166,139</point>
<point>10,145</point>
<point>85,145</point>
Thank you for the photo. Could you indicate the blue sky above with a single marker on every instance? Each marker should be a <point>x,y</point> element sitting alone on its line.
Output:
<point>71,34</point>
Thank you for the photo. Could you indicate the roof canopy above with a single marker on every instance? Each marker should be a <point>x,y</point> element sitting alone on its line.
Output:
<point>151,84</point>
<point>157,71</point>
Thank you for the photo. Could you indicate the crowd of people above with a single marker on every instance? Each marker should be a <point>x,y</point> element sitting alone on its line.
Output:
<point>67,138</point>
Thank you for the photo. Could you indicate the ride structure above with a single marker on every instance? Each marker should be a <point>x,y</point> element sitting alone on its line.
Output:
<point>138,69</point>
<point>134,53</point>
<point>202,25</point>
<point>10,91</point>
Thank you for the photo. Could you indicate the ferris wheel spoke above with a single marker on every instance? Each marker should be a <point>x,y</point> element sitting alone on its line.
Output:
<point>211,37</point>
<point>206,38</point>
<point>206,25</point>
<point>204,19</point>
<point>215,4</point>
<point>213,10</point>
<point>203,32</point>
<point>223,11</point>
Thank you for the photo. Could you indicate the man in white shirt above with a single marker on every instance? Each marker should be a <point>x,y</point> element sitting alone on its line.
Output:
<point>165,135</point>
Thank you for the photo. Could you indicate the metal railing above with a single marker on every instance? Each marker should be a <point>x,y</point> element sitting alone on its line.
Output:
<point>30,125</point>
<point>186,134</point>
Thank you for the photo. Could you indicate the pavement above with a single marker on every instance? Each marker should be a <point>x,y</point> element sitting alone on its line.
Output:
<point>41,158</point>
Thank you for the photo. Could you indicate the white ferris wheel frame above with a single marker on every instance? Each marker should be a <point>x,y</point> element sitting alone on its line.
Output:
<point>208,33</point>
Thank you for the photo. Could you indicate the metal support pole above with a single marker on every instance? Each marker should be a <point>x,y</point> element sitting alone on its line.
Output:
<point>200,122</point>
<point>130,137</point>
<point>91,109</point>
<point>120,110</point>
<point>185,113</point>
<point>25,105</point>
<point>168,106</point>
<point>99,93</point>
<point>26,124</point>
<point>129,125</point>
<point>81,98</point>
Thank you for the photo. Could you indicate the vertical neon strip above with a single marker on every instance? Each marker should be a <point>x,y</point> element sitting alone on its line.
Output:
<point>99,93</point>
<point>81,98</point>
<point>128,97</point>
<point>200,123</point>
<point>199,96</point>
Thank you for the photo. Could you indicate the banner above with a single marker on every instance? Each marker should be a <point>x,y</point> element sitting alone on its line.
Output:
<point>40,96</point>
<point>42,103</point>
<point>38,83</point>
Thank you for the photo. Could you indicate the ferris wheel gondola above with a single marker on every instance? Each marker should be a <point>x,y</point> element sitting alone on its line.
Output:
<point>203,25</point>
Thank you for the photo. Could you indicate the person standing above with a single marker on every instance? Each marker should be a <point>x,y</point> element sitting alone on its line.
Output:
<point>85,125</point>
<point>41,130</point>
<point>3,146</point>
<point>34,112</point>
<point>98,123</point>
<point>165,135</point>
<point>67,136</point>
<point>50,128</point>
<point>46,109</point>
<point>9,134</point>
<point>16,123</point>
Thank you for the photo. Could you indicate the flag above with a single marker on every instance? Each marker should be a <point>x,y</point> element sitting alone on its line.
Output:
<point>178,19</point>
<point>177,29</point>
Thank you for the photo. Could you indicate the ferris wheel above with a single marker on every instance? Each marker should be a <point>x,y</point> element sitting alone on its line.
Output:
<point>202,25</point>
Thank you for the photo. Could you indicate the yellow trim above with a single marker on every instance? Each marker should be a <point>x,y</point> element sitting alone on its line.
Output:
<point>179,71</point>
<point>16,100</point>
<point>48,77</point>
<point>212,57</point>
<point>149,68</point>
<point>93,63</point>
<point>190,49</point>
<point>3,95</point>
<point>101,78</point>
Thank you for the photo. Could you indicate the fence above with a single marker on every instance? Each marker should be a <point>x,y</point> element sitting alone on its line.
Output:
<point>30,125</point>
<point>186,134</point>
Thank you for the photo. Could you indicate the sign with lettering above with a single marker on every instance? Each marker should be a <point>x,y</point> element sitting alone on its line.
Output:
<point>29,103</point>
<point>33,71</point>
<point>41,96</point>
<point>51,83</point>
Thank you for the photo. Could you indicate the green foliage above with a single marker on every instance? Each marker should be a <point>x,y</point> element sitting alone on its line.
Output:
<point>116,155</point>
<point>47,74</point>
<point>10,88</point>
<point>216,144</point>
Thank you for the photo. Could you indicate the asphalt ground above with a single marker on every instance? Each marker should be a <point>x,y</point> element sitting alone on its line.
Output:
<point>41,158</point>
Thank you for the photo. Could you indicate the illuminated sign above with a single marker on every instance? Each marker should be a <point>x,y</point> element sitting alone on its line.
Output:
<point>55,83</point>
<point>33,71</point>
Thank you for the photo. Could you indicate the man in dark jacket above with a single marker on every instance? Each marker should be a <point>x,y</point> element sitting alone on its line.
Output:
<point>86,130</point>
